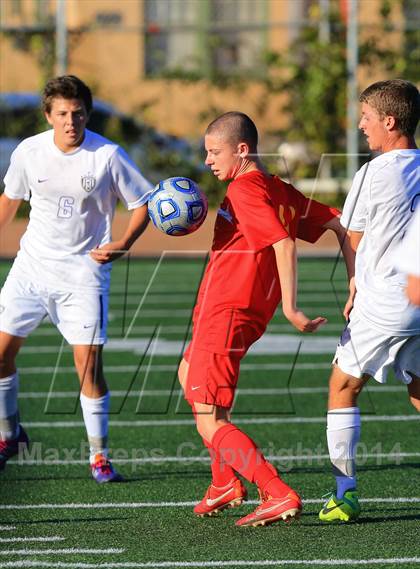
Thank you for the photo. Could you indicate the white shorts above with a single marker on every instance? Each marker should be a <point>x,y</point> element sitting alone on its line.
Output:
<point>81,318</point>
<point>363,350</point>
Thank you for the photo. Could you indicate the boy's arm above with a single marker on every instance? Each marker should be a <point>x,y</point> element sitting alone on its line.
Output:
<point>8,209</point>
<point>413,289</point>
<point>137,224</point>
<point>349,241</point>
<point>286,260</point>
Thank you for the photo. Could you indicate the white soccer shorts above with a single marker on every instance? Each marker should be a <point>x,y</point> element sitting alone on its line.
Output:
<point>363,350</point>
<point>81,318</point>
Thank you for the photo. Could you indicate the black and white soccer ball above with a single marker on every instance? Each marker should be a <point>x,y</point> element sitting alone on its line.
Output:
<point>177,206</point>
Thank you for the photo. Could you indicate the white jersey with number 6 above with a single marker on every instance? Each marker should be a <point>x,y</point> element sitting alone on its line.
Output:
<point>381,204</point>
<point>73,198</point>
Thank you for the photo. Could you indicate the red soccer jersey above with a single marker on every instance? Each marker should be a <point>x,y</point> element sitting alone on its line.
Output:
<point>241,283</point>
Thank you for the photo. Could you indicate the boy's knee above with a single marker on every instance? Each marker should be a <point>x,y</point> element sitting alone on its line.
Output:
<point>182,373</point>
<point>7,359</point>
<point>416,403</point>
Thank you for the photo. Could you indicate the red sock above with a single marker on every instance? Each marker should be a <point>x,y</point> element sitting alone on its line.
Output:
<point>241,453</point>
<point>221,472</point>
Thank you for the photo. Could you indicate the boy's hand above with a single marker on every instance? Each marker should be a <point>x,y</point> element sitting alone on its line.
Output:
<point>303,323</point>
<point>350,300</point>
<point>108,253</point>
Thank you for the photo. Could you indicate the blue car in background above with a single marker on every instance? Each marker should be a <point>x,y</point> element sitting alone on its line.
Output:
<point>157,154</point>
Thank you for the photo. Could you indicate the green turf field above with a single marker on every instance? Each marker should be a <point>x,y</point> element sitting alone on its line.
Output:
<point>54,515</point>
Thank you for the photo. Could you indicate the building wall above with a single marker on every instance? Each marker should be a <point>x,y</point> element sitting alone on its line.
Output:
<point>110,58</point>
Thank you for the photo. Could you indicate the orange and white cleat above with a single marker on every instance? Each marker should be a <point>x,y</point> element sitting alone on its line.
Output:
<point>217,498</point>
<point>287,508</point>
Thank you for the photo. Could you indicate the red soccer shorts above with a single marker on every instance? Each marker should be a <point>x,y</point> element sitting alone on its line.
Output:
<point>212,378</point>
<point>214,361</point>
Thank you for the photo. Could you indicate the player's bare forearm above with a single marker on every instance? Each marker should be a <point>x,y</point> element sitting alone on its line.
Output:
<point>355,237</point>
<point>349,241</point>
<point>8,209</point>
<point>286,260</point>
<point>352,242</point>
<point>413,289</point>
<point>111,251</point>
<point>343,237</point>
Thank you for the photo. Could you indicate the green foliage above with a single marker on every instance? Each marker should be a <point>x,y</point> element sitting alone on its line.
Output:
<point>313,74</point>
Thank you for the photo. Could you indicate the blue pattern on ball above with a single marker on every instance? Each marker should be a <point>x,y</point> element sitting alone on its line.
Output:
<point>177,206</point>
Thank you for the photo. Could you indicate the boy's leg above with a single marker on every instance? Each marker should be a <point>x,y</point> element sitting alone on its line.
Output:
<point>414,392</point>
<point>343,434</point>
<point>9,385</point>
<point>12,435</point>
<point>226,489</point>
<point>343,427</point>
<point>94,396</point>
<point>407,368</point>
<point>22,309</point>
<point>240,452</point>
<point>94,400</point>
<point>222,473</point>
<point>82,320</point>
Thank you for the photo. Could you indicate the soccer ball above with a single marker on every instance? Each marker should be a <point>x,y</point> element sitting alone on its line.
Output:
<point>177,206</point>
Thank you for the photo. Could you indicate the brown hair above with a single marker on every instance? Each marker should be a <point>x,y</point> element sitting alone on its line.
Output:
<point>397,98</point>
<point>66,87</point>
<point>236,127</point>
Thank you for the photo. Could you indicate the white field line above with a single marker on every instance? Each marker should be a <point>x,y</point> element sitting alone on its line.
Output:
<point>30,539</point>
<point>188,296</point>
<point>31,370</point>
<point>159,460</point>
<point>184,312</point>
<point>305,285</point>
<point>139,505</point>
<point>7,528</point>
<point>49,330</point>
<point>278,563</point>
<point>177,392</point>
<point>66,551</point>
<point>189,422</point>
<point>268,344</point>
<point>161,300</point>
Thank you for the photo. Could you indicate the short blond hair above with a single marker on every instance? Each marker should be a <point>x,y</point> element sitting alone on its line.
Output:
<point>397,98</point>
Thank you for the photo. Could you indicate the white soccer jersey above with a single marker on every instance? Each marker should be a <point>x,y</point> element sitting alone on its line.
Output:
<point>73,198</point>
<point>380,204</point>
<point>408,253</point>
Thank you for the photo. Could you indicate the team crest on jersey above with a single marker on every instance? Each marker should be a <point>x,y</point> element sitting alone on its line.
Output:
<point>88,182</point>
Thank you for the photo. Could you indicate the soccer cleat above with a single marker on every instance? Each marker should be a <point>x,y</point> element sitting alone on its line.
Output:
<point>103,471</point>
<point>345,509</point>
<point>13,447</point>
<point>217,499</point>
<point>272,509</point>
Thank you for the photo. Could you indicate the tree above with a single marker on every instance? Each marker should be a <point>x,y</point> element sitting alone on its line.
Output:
<point>313,74</point>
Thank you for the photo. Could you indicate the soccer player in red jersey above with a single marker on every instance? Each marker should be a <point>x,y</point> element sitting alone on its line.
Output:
<point>251,268</point>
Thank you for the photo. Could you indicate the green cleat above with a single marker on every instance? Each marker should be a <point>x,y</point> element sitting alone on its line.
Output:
<point>345,509</point>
